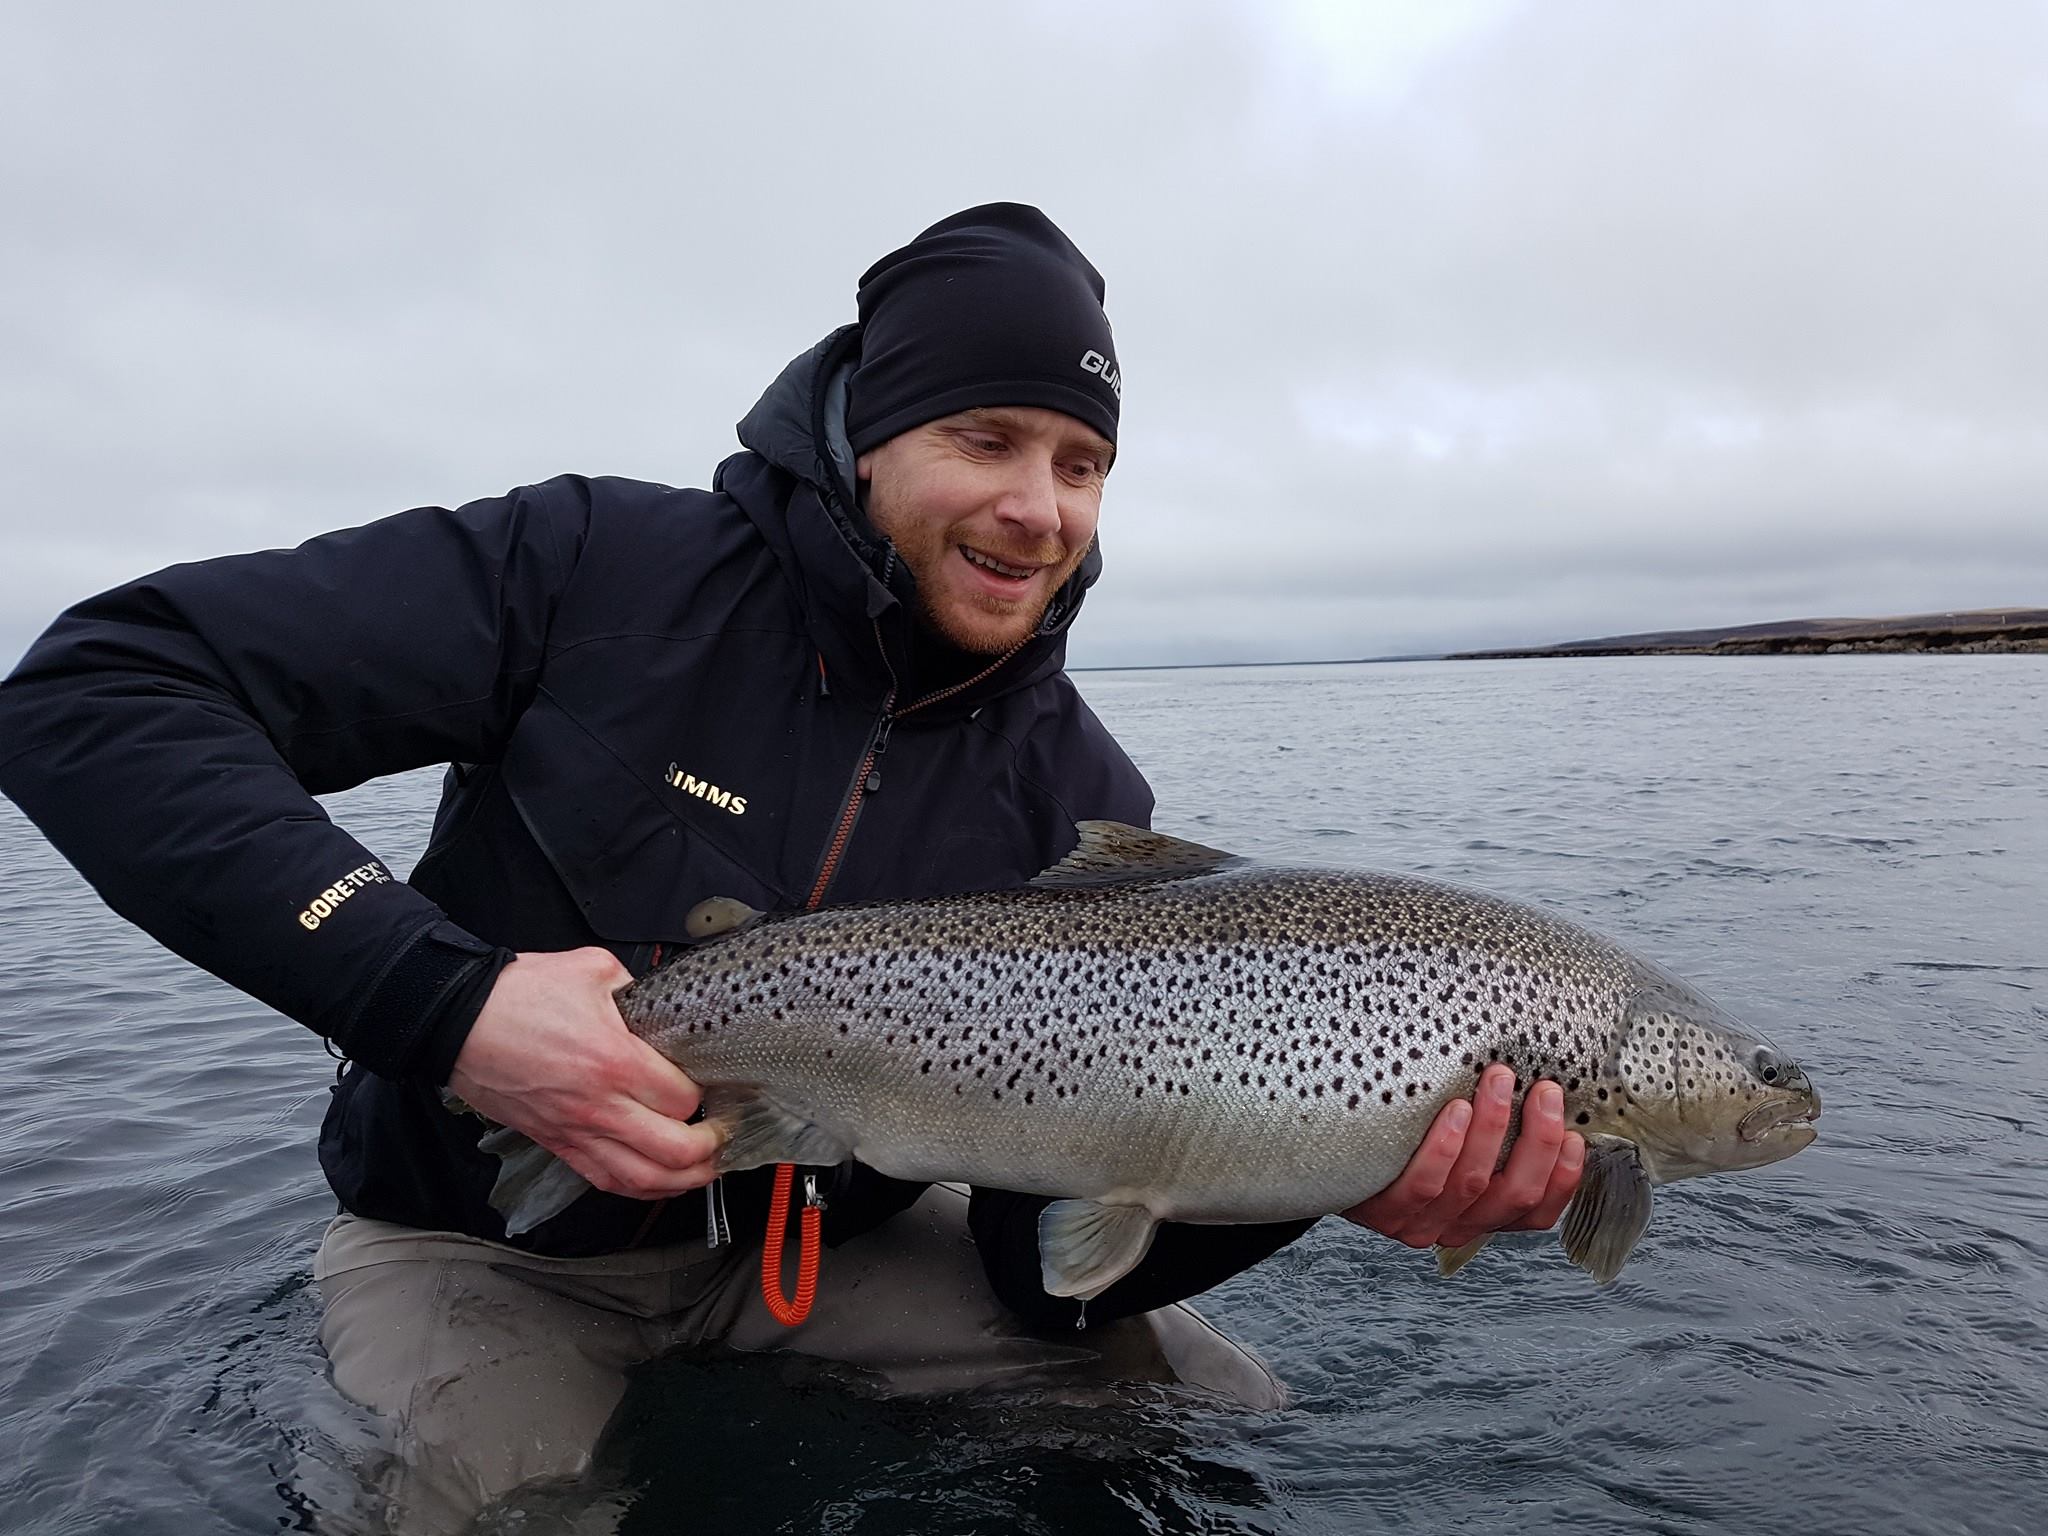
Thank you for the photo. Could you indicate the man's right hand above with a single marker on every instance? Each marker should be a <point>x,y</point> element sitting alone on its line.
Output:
<point>550,1057</point>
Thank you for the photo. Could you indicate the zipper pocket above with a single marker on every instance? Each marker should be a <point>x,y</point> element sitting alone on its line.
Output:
<point>866,780</point>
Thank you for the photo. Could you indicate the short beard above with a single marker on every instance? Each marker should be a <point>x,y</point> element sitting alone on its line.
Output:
<point>934,622</point>
<point>938,547</point>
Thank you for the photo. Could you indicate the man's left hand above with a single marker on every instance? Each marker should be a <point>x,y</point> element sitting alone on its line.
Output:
<point>1451,1193</point>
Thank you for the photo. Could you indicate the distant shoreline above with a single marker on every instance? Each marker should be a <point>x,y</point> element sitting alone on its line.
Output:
<point>1939,645</point>
<point>1977,632</point>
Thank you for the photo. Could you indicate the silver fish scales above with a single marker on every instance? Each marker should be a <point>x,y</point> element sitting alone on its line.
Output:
<point>1159,1031</point>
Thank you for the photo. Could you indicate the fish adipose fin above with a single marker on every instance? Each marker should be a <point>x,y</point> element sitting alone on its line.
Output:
<point>1610,1210</point>
<point>1450,1260</point>
<point>757,1132</point>
<point>1084,1247</point>
<point>533,1184</point>
<point>1111,853</point>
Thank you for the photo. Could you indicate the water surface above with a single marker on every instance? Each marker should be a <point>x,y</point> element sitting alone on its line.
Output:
<point>1851,853</point>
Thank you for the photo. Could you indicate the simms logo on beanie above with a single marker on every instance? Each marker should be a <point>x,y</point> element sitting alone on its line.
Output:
<point>993,306</point>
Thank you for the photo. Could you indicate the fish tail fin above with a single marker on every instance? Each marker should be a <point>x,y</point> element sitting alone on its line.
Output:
<point>1085,1247</point>
<point>1450,1260</point>
<point>533,1184</point>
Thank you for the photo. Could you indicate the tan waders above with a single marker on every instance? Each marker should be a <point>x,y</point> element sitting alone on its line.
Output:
<point>497,1366</point>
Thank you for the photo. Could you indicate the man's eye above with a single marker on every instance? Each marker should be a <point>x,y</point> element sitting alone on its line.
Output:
<point>986,444</point>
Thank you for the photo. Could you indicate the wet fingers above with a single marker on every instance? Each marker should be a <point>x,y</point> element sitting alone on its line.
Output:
<point>661,1085</point>
<point>1520,1186</point>
<point>619,1169</point>
<point>1564,1183</point>
<point>1520,1196</point>
<point>1472,1174</point>
<point>1395,1210</point>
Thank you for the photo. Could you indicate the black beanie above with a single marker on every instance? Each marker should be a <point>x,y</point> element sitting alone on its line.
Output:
<point>993,306</point>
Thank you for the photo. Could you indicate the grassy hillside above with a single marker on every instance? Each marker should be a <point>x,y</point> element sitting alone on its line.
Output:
<point>1976,631</point>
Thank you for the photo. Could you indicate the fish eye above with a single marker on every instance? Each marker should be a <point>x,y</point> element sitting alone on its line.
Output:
<point>1769,1066</point>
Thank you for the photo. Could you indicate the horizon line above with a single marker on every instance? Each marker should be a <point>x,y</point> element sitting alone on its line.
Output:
<point>1321,661</point>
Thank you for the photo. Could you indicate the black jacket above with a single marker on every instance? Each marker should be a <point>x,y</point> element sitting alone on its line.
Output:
<point>648,696</point>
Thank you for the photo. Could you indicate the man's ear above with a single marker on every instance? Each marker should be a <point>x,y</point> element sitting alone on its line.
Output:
<point>864,467</point>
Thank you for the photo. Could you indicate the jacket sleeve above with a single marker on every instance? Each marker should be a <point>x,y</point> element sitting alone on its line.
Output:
<point>169,736</point>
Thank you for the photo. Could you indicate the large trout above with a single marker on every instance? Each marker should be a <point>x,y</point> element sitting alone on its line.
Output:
<point>1156,1031</point>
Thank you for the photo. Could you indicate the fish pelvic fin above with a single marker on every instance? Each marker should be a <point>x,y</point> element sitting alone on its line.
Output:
<point>533,1184</point>
<point>1085,1247</point>
<point>1112,853</point>
<point>1450,1260</point>
<point>1610,1210</point>
<point>757,1131</point>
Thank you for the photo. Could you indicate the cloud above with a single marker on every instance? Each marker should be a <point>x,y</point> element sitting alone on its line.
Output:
<point>1442,325</point>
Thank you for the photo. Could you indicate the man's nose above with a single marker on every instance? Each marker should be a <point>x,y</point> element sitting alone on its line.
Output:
<point>1032,500</point>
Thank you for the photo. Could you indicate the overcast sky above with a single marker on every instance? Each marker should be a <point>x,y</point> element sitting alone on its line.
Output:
<point>1446,323</point>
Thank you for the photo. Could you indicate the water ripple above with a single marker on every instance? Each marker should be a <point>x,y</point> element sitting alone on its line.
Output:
<point>1855,1341</point>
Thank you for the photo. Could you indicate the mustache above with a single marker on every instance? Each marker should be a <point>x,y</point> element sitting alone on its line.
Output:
<point>1053,554</point>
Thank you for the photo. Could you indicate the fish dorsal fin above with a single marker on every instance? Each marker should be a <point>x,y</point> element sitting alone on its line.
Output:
<point>719,914</point>
<point>1111,853</point>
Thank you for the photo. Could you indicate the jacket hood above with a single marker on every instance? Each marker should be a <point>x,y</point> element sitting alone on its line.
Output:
<point>850,578</point>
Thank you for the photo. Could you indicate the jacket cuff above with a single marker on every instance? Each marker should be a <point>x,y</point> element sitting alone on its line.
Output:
<point>413,1024</point>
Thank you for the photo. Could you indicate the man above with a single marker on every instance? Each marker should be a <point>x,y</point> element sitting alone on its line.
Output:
<point>834,676</point>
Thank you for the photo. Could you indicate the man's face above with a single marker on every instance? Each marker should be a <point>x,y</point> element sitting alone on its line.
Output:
<point>992,509</point>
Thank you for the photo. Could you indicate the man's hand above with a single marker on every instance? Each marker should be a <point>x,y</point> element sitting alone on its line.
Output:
<point>1450,1192</point>
<point>550,1056</point>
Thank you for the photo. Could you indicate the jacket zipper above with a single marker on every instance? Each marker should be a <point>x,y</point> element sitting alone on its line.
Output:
<point>868,777</point>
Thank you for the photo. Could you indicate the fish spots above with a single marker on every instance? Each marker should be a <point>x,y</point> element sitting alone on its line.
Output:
<point>1332,994</point>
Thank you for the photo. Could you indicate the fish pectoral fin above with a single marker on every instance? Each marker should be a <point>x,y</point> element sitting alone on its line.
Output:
<point>719,915</point>
<point>1450,1260</point>
<point>1085,1247</point>
<point>1611,1209</point>
<point>757,1131</point>
<point>533,1184</point>
<point>1111,853</point>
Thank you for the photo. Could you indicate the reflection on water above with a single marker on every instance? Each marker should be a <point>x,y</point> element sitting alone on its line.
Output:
<point>1850,853</point>
<point>787,1445</point>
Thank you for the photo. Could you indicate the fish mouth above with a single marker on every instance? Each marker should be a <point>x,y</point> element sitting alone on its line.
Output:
<point>1781,1118</point>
